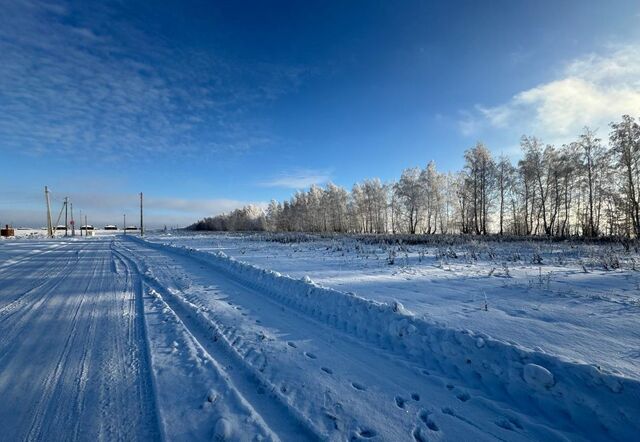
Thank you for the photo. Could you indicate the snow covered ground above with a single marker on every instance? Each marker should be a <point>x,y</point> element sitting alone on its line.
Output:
<point>119,338</point>
<point>563,299</point>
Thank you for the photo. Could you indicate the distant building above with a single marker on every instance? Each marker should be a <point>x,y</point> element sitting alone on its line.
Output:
<point>7,231</point>
<point>111,227</point>
<point>61,227</point>
<point>131,228</point>
<point>89,227</point>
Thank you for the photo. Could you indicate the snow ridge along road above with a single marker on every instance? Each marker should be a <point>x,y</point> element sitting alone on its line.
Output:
<point>380,371</point>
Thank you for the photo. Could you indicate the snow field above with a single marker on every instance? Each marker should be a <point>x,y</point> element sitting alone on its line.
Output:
<point>357,392</point>
<point>121,338</point>
<point>579,398</point>
<point>577,301</point>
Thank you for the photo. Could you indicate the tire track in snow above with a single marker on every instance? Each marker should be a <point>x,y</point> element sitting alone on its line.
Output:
<point>137,333</point>
<point>28,307</point>
<point>179,362</point>
<point>284,422</point>
<point>41,275</point>
<point>27,256</point>
<point>51,381</point>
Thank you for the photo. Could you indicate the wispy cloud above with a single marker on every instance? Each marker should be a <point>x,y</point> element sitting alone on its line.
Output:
<point>299,179</point>
<point>89,79</point>
<point>593,90</point>
<point>468,123</point>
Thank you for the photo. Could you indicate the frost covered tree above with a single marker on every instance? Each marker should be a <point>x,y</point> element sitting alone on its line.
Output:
<point>335,205</point>
<point>410,193</point>
<point>584,188</point>
<point>625,142</point>
<point>531,169</point>
<point>447,212</point>
<point>248,218</point>
<point>480,177</point>
<point>595,170</point>
<point>504,182</point>
<point>570,172</point>
<point>368,206</point>
<point>430,181</point>
<point>274,212</point>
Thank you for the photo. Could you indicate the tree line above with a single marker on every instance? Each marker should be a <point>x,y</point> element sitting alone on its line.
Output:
<point>584,188</point>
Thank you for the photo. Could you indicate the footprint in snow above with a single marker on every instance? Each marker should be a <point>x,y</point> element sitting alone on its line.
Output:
<point>504,424</point>
<point>400,402</point>
<point>333,419</point>
<point>415,397</point>
<point>463,396</point>
<point>425,416</point>
<point>419,436</point>
<point>310,355</point>
<point>326,370</point>
<point>367,433</point>
<point>291,344</point>
<point>509,423</point>
<point>358,386</point>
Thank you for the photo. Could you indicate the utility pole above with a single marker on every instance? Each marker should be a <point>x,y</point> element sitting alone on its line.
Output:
<point>49,224</point>
<point>141,219</point>
<point>124,224</point>
<point>73,223</point>
<point>86,227</point>
<point>66,215</point>
<point>81,224</point>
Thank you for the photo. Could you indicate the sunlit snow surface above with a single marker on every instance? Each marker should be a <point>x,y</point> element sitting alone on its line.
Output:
<point>116,338</point>
<point>568,304</point>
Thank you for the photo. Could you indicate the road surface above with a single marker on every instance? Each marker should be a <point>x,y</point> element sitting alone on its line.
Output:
<point>73,358</point>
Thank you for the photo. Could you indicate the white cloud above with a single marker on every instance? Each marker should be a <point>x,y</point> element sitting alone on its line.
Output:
<point>590,91</point>
<point>299,179</point>
<point>468,123</point>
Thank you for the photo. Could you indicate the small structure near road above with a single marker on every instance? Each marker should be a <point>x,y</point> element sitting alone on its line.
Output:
<point>111,227</point>
<point>87,230</point>
<point>7,231</point>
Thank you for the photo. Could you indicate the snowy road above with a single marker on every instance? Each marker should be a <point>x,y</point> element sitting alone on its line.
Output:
<point>73,361</point>
<point>115,338</point>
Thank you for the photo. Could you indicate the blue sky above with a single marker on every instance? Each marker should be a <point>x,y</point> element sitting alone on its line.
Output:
<point>207,105</point>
